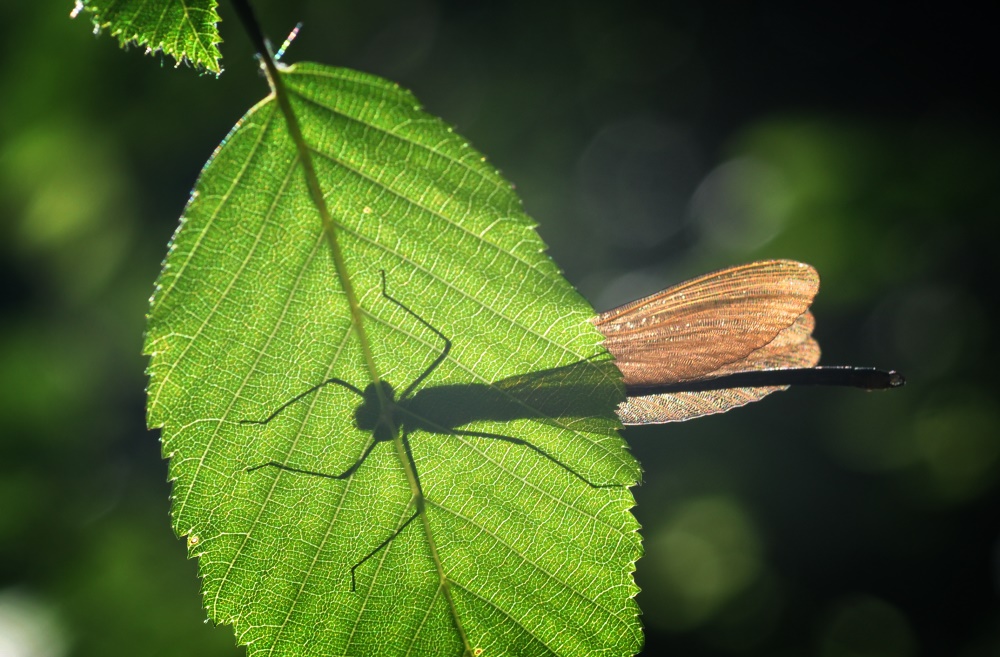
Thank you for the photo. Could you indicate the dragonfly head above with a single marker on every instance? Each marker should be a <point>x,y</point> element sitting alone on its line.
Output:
<point>377,412</point>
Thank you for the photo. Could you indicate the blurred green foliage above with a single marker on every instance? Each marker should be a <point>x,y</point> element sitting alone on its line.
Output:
<point>651,144</point>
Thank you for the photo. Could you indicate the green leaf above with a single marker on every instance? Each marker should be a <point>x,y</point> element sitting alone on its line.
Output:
<point>515,554</point>
<point>187,30</point>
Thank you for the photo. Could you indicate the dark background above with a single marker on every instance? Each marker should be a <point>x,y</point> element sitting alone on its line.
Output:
<point>651,143</point>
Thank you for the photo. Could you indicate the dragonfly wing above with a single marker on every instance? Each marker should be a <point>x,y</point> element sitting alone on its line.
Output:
<point>688,331</point>
<point>793,347</point>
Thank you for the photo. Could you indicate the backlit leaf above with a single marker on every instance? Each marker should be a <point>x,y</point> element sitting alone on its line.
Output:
<point>187,30</point>
<point>249,313</point>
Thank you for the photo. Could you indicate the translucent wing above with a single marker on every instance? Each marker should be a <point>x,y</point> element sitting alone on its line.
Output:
<point>749,317</point>
<point>793,347</point>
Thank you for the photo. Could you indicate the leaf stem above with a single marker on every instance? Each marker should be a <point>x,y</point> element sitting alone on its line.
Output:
<point>246,14</point>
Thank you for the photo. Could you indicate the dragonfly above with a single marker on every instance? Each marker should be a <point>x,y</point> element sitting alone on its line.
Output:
<point>704,346</point>
<point>721,341</point>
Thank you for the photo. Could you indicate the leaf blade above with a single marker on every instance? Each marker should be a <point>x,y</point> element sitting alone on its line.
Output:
<point>248,305</point>
<point>187,30</point>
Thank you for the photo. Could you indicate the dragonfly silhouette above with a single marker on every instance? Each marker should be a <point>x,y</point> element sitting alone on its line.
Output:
<point>704,346</point>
